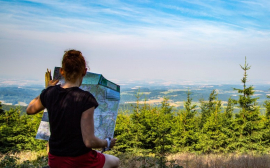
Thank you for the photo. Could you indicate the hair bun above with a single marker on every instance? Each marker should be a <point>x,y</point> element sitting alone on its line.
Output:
<point>73,64</point>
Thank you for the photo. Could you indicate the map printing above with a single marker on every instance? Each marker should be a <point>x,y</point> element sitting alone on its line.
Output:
<point>107,95</point>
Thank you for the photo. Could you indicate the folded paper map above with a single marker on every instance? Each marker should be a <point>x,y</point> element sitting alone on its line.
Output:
<point>107,95</point>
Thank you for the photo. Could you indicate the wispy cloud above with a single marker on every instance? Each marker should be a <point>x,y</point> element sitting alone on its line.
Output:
<point>135,37</point>
<point>57,15</point>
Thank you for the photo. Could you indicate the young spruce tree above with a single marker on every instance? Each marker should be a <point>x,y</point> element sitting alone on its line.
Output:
<point>267,106</point>
<point>211,139</point>
<point>228,125</point>
<point>208,107</point>
<point>266,129</point>
<point>184,127</point>
<point>248,119</point>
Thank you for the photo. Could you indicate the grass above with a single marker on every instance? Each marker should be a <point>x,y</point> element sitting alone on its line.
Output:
<point>26,159</point>
<point>189,160</point>
<point>129,160</point>
<point>222,160</point>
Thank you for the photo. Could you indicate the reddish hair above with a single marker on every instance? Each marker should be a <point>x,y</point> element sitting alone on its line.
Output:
<point>73,64</point>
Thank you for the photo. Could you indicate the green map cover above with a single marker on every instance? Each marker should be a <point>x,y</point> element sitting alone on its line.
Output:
<point>107,95</point>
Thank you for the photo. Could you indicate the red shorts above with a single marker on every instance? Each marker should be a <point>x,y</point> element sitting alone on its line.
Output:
<point>91,159</point>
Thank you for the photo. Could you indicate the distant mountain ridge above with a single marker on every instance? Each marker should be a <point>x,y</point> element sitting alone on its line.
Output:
<point>153,93</point>
<point>19,95</point>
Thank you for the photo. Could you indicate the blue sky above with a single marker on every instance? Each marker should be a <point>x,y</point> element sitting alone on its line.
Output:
<point>176,41</point>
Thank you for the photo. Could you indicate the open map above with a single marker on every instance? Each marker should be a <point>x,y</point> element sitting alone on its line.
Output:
<point>107,95</point>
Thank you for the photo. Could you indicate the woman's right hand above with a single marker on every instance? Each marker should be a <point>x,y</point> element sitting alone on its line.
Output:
<point>113,140</point>
<point>53,82</point>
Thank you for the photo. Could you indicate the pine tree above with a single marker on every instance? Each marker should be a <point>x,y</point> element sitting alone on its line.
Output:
<point>248,119</point>
<point>249,111</point>
<point>190,109</point>
<point>229,109</point>
<point>137,126</point>
<point>207,107</point>
<point>162,131</point>
<point>212,139</point>
<point>184,127</point>
<point>228,125</point>
<point>267,106</point>
<point>17,132</point>
<point>124,133</point>
<point>266,129</point>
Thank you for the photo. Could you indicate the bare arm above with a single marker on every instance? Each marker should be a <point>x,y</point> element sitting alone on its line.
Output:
<point>87,127</point>
<point>34,106</point>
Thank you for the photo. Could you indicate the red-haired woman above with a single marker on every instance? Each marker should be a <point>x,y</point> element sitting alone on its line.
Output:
<point>71,118</point>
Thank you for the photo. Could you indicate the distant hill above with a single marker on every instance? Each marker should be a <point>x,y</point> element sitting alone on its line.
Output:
<point>178,93</point>
<point>152,93</point>
<point>16,95</point>
<point>8,107</point>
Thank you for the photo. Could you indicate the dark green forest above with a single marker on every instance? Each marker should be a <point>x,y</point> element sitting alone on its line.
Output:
<point>207,128</point>
<point>17,132</point>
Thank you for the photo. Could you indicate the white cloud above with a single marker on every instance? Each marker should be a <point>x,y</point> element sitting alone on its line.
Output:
<point>124,41</point>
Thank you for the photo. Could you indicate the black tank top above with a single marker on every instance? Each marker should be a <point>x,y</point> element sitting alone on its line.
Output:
<point>65,108</point>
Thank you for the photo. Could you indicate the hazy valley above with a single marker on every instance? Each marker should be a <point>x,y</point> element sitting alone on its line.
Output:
<point>152,94</point>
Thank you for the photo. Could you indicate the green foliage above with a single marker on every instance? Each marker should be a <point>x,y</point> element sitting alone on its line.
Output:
<point>147,128</point>
<point>207,108</point>
<point>8,161</point>
<point>229,110</point>
<point>184,127</point>
<point>267,106</point>
<point>212,137</point>
<point>123,131</point>
<point>8,107</point>
<point>17,132</point>
<point>248,123</point>
<point>212,129</point>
